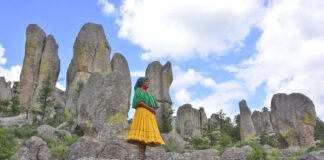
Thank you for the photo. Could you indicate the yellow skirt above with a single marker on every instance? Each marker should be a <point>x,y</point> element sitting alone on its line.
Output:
<point>144,129</point>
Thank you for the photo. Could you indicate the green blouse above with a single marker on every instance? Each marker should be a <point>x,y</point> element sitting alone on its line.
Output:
<point>143,96</point>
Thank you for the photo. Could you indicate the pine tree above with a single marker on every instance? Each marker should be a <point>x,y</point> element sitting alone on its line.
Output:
<point>166,114</point>
<point>44,99</point>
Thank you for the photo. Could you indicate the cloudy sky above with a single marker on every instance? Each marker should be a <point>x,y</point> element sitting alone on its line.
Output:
<point>221,51</point>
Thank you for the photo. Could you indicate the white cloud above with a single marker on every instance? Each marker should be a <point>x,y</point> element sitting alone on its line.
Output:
<point>184,29</point>
<point>222,97</point>
<point>11,74</point>
<point>138,73</point>
<point>60,86</point>
<point>290,52</point>
<point>2,59</point>
<point>108,8</point>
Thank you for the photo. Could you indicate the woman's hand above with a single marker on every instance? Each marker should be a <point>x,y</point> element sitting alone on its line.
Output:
<point>152,110</point>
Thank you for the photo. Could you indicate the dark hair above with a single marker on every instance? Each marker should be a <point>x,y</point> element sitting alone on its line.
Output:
<point>140,82</point>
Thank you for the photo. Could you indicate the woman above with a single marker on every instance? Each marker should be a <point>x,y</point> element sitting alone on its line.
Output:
<point>144,130</point>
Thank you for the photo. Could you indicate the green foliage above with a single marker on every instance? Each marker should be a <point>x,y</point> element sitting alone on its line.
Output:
<point>265,109</point>
<point>319,129</point>
<point>172,146</point>
<point>225,142</point>
<point>44,101</point>
<point>59,116</point>
<point>265,138</point>
<point>8,144</point>
<point>274,154</point>
<point>199,142</point>
<point>59,149</point>
<point>24,132</point>
<point>166,117</point>
<point>12,107</point>
<point>258,152</point>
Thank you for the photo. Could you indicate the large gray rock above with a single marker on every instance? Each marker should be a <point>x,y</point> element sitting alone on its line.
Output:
<point>189,120</point>
<point>161,78</point>
<point>174,139</point>
<point>35,38</point>
<point>34,149</point>
<point>91,54</point>
<point>247,130</point>
<point>91,149</point>
<point>5,89</point>
<point>262,122</point>
<point>59,96</point>
<point>317,155</point>
<point>103,105</point>
<point>52,132</point>
<point>15,120</point>
<point>295,118</point>
<point>235,153</point>
<point>49,65</point>
<point>41,58</point>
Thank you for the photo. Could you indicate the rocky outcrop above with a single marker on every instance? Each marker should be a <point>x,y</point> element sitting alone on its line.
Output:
<point>16,120</point>
<point>295,118</point>
<point>235,153</point>
<point>103,105</point>
<point>91,54</point>
<point>262,122</point>
<point>247,130</point>
<point>52,132</point>
<point>161,78</point>
<point>34,149</point>
<point>189,120</point>
<point>5,89</point>
<point>91,149</point>
<point>59,96</point>
<point>174,139</point>
<point>317,155</point>
<point>41,58</point>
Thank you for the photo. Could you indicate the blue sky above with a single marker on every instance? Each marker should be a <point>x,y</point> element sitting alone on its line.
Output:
<point>221,51</point>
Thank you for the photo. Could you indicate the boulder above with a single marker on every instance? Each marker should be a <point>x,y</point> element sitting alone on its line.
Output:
<point>262,122</point>
<point>317,155</point>
<point>295,118</point>
<point>103,105</point>
<point>52,132</point>
<point>161,78</point>
<point>34,149</point>
<point>235,153</point>
<point>87,148</point>
<point>5,89</point>
<point>59,96</point>
<point>174,139</point>
<point>247,130</point>
<point>189,120</point>
<point>15,120</point>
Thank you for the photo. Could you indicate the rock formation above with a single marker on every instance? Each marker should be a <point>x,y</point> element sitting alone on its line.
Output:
<point>295,118</point>
<point>262,122</point>
<point>247,130</point>
<point>91,53</point>
<point>189,120</point>
<point>34,149</point>
<point>41,58</point>
<point>5,89</point>
<point>98,91</point>
<point>161,78</point>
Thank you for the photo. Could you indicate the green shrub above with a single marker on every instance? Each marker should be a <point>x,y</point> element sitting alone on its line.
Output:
<point>8,144</point>
<point>199,142</point>
<point>172,146</point>
<point>70,139</point>
<point>60,151</point>
<point>258,152</point>
<point>265,138</point>
<point>24,132</point>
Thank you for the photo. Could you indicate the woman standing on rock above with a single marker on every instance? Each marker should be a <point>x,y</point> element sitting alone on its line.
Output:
<point>144,130</point>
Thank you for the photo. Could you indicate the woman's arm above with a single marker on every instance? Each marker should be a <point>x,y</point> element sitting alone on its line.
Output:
<point>142,104</point>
